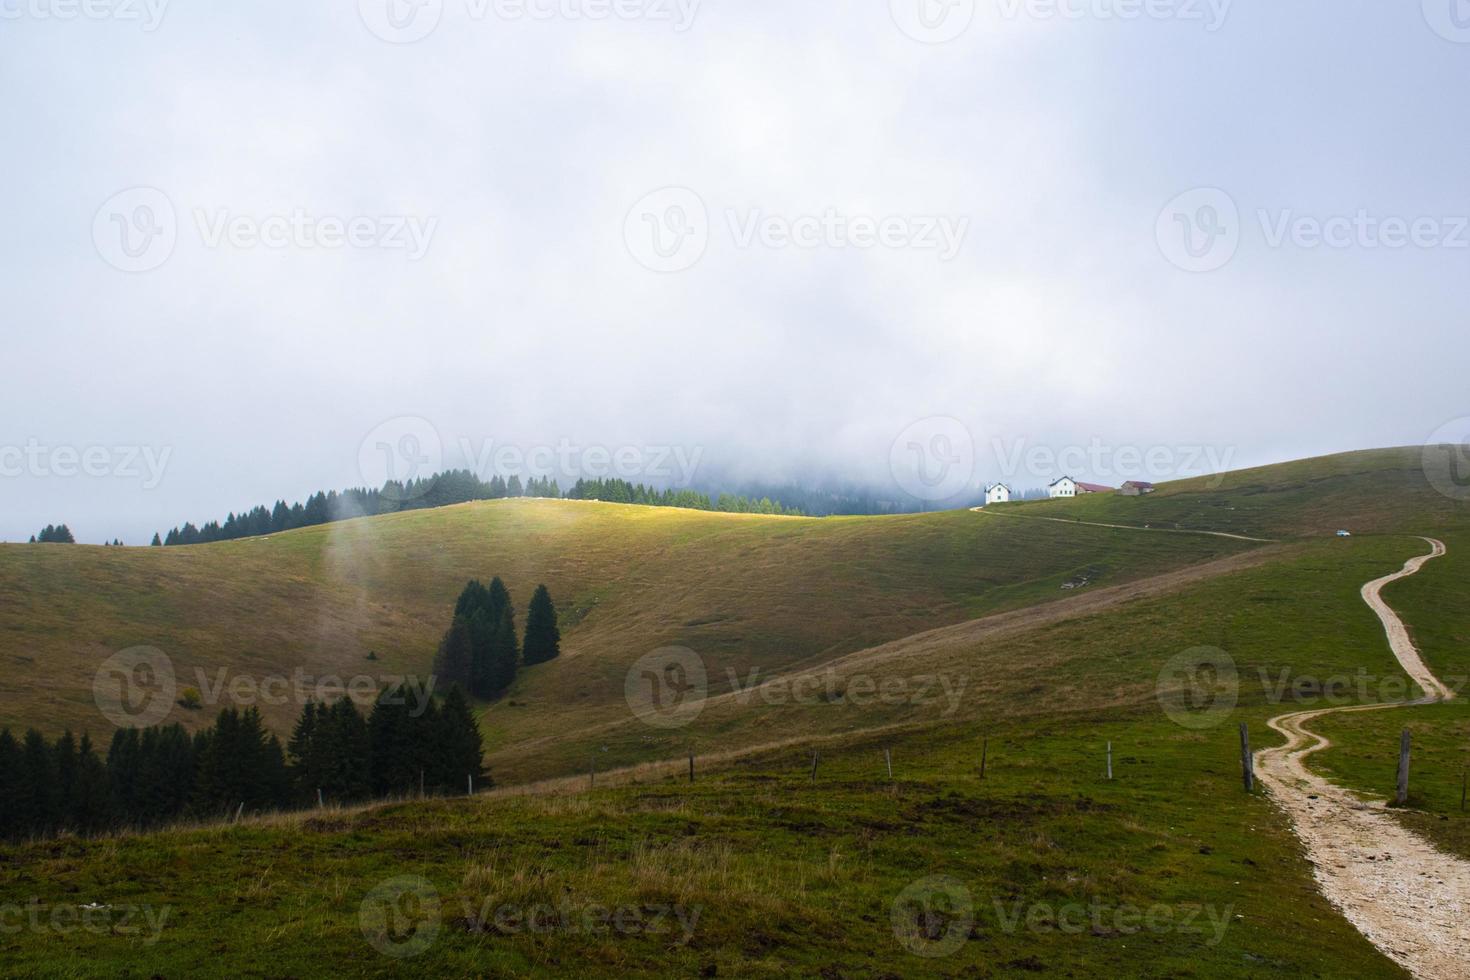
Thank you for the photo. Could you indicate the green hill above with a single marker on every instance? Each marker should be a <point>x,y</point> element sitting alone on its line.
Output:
<point>1045,865</point>
<point>1380,491</point>
<point>747,591</point>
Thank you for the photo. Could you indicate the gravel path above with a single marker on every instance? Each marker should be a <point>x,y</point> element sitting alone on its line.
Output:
<point>1408,897</point>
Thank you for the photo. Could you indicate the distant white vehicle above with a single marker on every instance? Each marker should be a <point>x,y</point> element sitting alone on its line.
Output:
<point>1344,534</point>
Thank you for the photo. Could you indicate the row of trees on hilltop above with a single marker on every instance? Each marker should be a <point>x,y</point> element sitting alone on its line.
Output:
<point>480,650</point>
<point>442,490</point>
<point>153,776</point>
<point>325,507</point>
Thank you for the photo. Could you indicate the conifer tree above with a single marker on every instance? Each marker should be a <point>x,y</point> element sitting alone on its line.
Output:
<point>454,663</point>
<point>458,746</point>
<point>504,656</point>
<point>543,638</point>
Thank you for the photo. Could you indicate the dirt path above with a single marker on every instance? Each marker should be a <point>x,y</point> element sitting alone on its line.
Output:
<point>1408,897</point>
<point>1124,527</point>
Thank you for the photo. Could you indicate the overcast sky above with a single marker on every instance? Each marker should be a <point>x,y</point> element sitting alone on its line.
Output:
<point>252,250</point>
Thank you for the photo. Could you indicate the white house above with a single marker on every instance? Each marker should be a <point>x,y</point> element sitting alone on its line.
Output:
<point>997,493</point>
<point>1068,487</point>
<point>1065,487</point>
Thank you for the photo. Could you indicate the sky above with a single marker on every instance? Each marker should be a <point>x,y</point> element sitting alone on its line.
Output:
<point>250,251</point>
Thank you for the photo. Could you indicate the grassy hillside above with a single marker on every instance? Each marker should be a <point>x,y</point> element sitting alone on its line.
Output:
<point>1063,869</point>
<point>747,591</point>
<point>1380,491</point>
<point>756,869</point>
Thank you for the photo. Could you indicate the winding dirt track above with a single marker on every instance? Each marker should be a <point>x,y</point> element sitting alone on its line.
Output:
<point>1408,897</point>
<point>1123,527</point>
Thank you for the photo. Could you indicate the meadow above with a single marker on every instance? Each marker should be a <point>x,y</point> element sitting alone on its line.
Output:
<point>997,847</point>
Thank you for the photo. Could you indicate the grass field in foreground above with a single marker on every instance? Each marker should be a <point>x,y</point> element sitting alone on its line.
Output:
<point>754,870</point>
<point>1066,873</point>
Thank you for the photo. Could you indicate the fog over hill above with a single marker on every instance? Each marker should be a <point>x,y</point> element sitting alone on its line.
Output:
<point>857,234</point>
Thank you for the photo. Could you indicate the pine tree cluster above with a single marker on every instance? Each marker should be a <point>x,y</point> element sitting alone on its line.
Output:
<point>152,776</point>
<point>480,650</point>
<point>54,534</point>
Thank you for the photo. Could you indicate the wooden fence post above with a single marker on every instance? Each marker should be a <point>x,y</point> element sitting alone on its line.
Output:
<point>888,758</point>
<point>1403,795</point>
<point>1110,760</point>
<point>1247,762</point>
<point>814,765</point>
<point>691,765</point>
<point>320,803</point>
<point>984,753</point>
<point>1464,779</point>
